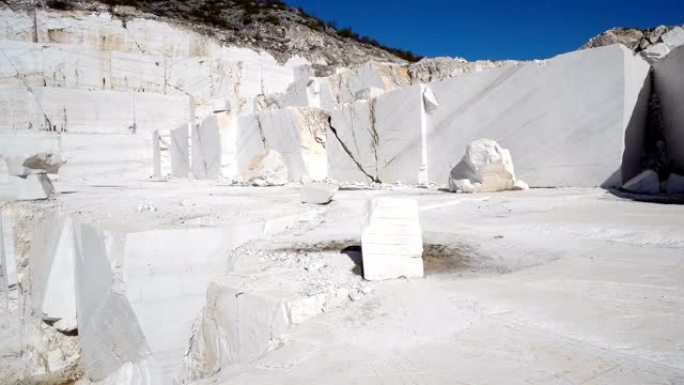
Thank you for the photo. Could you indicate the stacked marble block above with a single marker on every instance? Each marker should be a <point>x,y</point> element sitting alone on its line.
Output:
<point>574,120</point>
<point>392,241</point>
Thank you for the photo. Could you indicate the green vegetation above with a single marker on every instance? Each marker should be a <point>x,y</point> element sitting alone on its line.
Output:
<point>234,14</point>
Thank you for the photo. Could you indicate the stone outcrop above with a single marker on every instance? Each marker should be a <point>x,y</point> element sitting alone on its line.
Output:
<point>669,40</point>
<point>440,68</point>
<point>637,40</point>
<point>485,167</point>
<point>391,241</point>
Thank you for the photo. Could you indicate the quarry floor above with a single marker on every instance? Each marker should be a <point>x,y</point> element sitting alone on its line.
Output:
<point>546,286</point>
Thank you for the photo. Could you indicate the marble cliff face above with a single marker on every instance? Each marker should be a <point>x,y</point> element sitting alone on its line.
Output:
<point>100,96</point>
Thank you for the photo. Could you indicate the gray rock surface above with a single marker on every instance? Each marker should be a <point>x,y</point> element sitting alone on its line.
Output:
<point>635,39</point>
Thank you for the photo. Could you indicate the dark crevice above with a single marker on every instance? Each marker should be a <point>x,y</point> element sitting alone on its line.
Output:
<point>349,153</point>
<point>654,152</point>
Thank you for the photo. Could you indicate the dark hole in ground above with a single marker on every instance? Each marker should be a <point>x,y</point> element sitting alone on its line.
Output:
<point>439,260</point>
<point>354,253</point>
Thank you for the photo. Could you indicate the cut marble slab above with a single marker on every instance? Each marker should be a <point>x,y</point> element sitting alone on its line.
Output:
<point>352,143</point>
<point>391,241</point>
<point>52,274</point>
<point>8,264</point>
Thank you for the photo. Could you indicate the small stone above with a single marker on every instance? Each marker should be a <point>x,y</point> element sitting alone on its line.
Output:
<point>485,167</point>
<point>520,185</point>
<point>318,193</point>
<point>66,325</point>
<point>645,183</point>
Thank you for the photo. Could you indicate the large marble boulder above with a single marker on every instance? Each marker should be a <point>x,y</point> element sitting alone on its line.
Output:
<point>485,167</point>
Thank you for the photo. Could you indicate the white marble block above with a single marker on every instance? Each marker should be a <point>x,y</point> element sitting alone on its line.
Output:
<point>577,119</point>
<point>90,112</point>
<point>669,83</point>
<point>392,241</point>
<point>243,316</point>
<point>23,144</point>
<point>298,134</point>
<point>52,273</point>
<point>8,265</point>
<point>352,143</point>
<point>206,149</point>
<point>267,168</point>
<point>130,287</point>
<point>398,122</point>
<point>25,188</point>
<point>106,157</point>
<point>485,167</point>
<point>180,152</point>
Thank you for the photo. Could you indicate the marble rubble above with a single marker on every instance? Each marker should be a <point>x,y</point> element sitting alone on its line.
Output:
<point>391,241</point>
<point>668,41</point>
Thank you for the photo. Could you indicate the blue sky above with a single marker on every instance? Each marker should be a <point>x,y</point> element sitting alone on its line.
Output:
<point>491,29</point>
